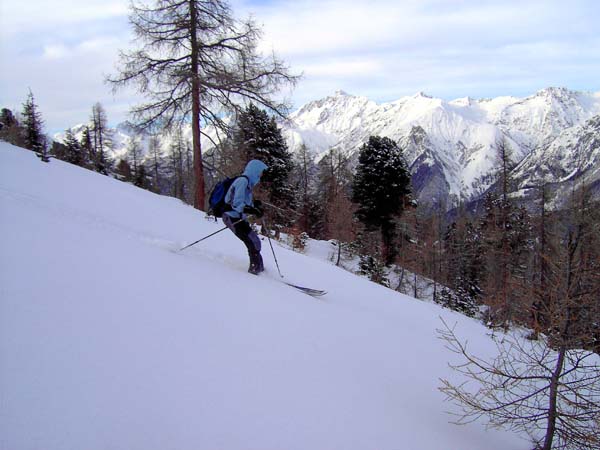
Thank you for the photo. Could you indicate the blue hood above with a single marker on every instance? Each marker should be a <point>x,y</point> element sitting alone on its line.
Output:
<point>254,170</point>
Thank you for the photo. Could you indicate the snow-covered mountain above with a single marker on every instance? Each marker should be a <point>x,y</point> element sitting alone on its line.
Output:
<point>566,162</point>
<point>112,339</point>
<point>449,146</point>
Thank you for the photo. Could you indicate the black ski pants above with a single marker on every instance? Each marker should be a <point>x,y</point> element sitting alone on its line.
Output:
<point>248,236</point>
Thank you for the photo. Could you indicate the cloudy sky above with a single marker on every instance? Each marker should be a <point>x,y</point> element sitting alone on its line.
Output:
<point>382,49</point>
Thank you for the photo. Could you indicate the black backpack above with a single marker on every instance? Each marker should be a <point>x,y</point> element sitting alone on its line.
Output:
<point>216,201</point>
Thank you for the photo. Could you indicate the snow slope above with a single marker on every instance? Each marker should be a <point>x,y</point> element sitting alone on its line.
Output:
<point>110,339</point>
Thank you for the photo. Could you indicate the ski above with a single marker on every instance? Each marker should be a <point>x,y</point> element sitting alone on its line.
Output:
<point>308,291</point>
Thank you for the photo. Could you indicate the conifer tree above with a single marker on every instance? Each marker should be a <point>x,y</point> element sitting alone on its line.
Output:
<point>257,136</point>
<point>461,262</point>
<point>73,152</point>
<point>33,128</point>
<point>124,172</point>
<point>87,148</point>
<point>10,129</point>
<point>381,188</point>
<point>141,177</point>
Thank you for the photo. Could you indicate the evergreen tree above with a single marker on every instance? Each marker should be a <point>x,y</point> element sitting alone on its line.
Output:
<point>11,130</point>
<point>141,177</point>
<point>374,269</point>
<point>33,127</point>
<point>381,189</point>
<point>7,118</point>
<point>73,152</point>
<point>257,136</point>
<point>124,172</point>
<point>58,150</point>
<point>87,149</point>
<point>461,262</point>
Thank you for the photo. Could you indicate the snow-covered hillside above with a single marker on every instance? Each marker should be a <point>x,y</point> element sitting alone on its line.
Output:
<point>111,339</point>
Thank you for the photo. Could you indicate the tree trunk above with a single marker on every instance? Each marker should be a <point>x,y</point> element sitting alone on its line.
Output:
<point>552,410</point>
<point>199,196</point>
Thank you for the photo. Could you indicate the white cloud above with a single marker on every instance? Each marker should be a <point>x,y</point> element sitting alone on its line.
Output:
<point>57,51</point>
<point>444,45</point>
<point>382,49</point>
<point>25,16</point>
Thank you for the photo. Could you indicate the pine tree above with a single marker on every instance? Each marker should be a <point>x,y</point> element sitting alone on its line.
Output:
<point>461,254</point>
<point>381,188</point>
<point>257,136</point>
<point>73,152</point>
<point>141,177</point>
<point>87,149</point>
<point>33,127</point>
<point>124,172</point>
<point>11,130</point>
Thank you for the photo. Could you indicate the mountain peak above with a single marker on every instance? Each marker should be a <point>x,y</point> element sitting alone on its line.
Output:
<point>341,93</point>
<point>556,92</point>
<point>422,94</point>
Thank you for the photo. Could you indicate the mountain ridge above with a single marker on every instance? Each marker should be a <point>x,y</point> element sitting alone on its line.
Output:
<point>450,146</point>
<point>459,137</point>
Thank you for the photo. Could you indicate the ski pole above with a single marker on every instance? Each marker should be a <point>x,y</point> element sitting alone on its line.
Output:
<point>206,237</point>
<point>272,249</point>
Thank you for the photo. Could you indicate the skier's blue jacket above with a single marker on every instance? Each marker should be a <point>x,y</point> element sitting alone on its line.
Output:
<point>240,192</point>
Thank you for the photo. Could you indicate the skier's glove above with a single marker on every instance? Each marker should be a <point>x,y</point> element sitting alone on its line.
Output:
<point>253,210</point>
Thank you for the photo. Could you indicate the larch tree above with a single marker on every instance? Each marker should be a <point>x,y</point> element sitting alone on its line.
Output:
<point>101,138</point>
<point>547,385</point>
<point>334,187</point>
<point>196,63</point>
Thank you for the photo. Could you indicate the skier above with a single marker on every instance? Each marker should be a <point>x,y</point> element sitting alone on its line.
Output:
<point>239,197</point>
